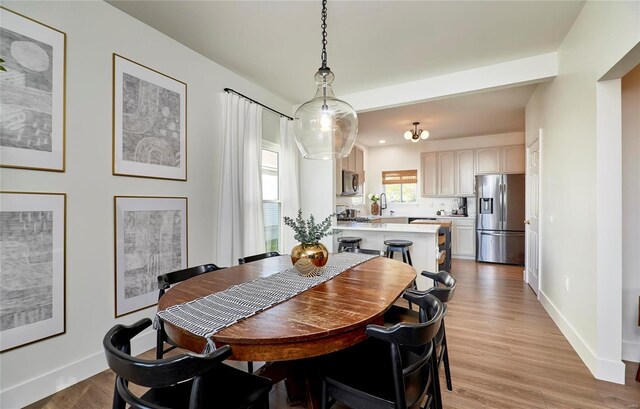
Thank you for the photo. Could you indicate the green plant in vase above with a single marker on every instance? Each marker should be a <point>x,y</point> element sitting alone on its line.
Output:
<point>310,254</point>
<point>375,207</point>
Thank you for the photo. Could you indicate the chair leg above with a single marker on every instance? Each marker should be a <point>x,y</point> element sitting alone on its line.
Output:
<point>409,257</point>
<point>159,343</point>
<point>437,395</point>
<point>250,367</point>
<point>447,369</point>
<point>324,397</point>
<point>404,256</point>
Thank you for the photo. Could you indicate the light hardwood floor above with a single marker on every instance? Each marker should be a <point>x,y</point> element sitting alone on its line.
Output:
<point>505,352</point>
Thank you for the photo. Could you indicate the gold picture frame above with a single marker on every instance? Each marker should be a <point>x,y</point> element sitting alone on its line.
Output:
<point>33,98</point>
<point>33,272</point>
<point>150,239</point>
<point>149,122</point>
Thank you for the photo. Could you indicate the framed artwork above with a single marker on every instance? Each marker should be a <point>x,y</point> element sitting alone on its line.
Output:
<point>32,267</point>
<point>32,101</point>
<point>150,240</point>
<point>149,122</point>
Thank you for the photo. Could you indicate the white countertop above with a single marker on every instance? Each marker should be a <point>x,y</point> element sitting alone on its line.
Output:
<point>395,227</point>
<point>423,216</point>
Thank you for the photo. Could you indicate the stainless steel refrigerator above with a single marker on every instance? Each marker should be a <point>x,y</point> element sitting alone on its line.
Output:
<point>500,218</point>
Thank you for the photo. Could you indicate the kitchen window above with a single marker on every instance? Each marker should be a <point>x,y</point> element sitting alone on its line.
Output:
<point>400,186</point>
<point>271,204</point>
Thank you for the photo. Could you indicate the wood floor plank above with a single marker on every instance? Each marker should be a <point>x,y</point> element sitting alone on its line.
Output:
<point>505,351</point>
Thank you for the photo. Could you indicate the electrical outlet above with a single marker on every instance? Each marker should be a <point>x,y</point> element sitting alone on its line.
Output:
<point>566,283</point>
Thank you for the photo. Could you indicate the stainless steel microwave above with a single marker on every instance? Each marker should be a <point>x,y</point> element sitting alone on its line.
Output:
<point>349,183</point>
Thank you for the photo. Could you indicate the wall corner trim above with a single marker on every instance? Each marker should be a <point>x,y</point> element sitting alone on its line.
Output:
<point>40,387</point>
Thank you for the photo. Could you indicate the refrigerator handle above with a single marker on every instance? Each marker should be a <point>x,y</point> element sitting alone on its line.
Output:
<point>500,204</point>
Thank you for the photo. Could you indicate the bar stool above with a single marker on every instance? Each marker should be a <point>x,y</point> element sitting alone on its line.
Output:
<point>403,247</point>
<point>348,243</point>
<point>399,245</point>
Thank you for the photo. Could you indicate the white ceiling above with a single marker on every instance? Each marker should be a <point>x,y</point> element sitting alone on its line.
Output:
<point>475,114</point>
<point>276,44</point>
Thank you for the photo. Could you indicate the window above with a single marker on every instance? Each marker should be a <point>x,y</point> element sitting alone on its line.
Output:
<point>400,186</point>
<point>271,196</point>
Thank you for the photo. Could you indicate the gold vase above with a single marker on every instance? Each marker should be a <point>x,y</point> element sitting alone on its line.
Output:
<point>375,209</point>
<point>307,258</point>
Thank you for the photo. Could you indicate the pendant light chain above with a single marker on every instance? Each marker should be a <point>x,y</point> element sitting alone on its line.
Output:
<point>325,127</point>
<point>324,34</point>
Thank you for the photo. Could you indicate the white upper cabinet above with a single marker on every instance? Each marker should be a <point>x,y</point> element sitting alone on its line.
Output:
<point>352,163</point>
<point>429,174</point>
<point>513,159</point>
<point>452,173</point>
<point>488,160</point>
<point>359,166</point>
<point>500,159</point>
<point>446,173</point>
<point>464,173</point>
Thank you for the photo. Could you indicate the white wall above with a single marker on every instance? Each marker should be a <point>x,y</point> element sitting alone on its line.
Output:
<point>631,216</point>
<point>407,156</point>
<point>94,31</point>
<point>565,109</point>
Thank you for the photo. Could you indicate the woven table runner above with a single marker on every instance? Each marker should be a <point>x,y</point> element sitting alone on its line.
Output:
<point>208,315</point>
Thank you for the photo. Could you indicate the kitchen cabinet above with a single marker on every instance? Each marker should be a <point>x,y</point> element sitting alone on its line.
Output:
<point>429,174</point>
<point>488,160</point>
<point>513,159</point>
<point>359,164</point>
<point>352,163</point>
<point>500,159</point>
<point>446,173</point>
<point>464,173</point>
<point>463,237</point>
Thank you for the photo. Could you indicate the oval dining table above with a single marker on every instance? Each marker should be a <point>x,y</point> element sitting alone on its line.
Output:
<point>324,319</point>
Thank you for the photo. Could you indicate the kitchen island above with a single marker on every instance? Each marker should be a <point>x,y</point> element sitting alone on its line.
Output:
<point>424,252</point>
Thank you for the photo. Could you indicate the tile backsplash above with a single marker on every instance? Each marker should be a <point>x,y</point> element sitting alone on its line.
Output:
<point>424,206</point>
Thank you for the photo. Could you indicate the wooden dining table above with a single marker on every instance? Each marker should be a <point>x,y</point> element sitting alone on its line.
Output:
<point>324,319</point>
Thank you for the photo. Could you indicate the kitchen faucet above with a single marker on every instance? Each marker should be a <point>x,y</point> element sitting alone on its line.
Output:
<point>383,202</point>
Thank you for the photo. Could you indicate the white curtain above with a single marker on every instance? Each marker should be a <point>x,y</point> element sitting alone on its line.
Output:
<point>288,180</point>
<point>240,214</point>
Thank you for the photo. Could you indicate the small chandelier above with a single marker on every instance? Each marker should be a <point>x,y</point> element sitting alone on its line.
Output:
<point>415,134</point>
<point>325,127</point>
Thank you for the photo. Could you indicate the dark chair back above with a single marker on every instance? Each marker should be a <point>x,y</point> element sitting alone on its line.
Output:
<point>446,285</point>
<point>152,374</point>
<point>257,257</point>
<point>165,281</point>
<point>411,347</point>
<point>364,251</point>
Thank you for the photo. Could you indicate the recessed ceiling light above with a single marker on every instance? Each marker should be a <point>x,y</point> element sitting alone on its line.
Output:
<point>382,141</point>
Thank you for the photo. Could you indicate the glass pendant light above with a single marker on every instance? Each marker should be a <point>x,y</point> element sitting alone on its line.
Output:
<point>325,127</point>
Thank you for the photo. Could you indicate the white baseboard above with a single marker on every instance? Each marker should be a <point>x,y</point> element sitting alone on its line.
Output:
<point>458,257</point>
<point>631,351</point>
<point>47,384</point>
<point>603,369</point>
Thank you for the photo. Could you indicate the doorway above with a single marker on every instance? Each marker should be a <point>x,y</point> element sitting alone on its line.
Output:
<point>532,225</point>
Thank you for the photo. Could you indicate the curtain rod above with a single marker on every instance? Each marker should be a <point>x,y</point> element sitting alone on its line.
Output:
<point>256,102</point>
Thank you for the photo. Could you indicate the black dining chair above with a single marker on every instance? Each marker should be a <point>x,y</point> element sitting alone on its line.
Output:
<point>257,257</point>
<point>181,381</point>
<point>444,290</point>
<point>393,368</point>
<point>364,251</point>
<point>165,281</point>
